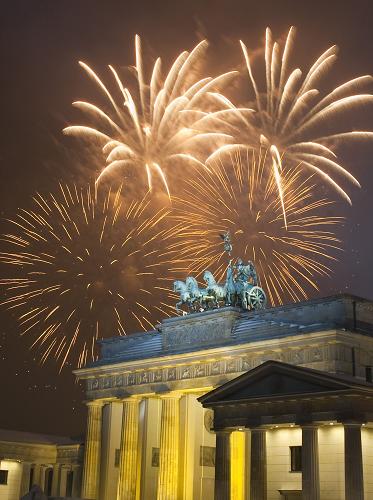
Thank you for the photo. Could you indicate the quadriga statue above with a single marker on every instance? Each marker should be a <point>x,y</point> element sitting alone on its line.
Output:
<point>240,289</point>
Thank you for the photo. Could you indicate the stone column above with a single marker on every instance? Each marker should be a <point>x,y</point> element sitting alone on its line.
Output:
<point>238,464</point>
<point>37,475</point>
<point>56,480</point>
<point>169,448</point>
<point>247,463</point>
<point>76,481</point>
<point>310,463</point>
<point>91,473</point>
<point>258,472</point>
<point>223,466</point>
<point>127,481</point>
<point>354,482</point>
<point>25,481</point>
<point>42,483</point>
<point>63,479</point>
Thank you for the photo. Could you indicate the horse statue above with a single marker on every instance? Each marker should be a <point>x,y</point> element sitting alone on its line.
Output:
<point>196,294</point>
<point>185,297</point>
<point>240,289</point>
<point>213,288</point>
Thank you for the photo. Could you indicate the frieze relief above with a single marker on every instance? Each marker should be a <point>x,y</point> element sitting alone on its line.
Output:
<point>106,382</point>
<point>118,380</point>
<point>201,371</point>
<point>186,372</point>
<point>197,334</point>
<point>246,364</point>
<point>144,378</point>
<point>231,365</point>
<point>215,327</point>
<point>68,453</point>
<point>297,357</point>
<point>215,368</point>
<point>239,364</point>
<point>317,354</point>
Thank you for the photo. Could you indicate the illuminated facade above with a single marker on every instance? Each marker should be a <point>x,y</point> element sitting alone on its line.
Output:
<point>149,437</point>
<point>52,462</point>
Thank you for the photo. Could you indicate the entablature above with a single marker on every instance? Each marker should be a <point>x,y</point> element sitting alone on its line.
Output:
<point>329,350</point>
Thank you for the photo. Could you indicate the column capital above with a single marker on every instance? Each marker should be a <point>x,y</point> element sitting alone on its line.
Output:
<point>170,395</point>
<point>99,403</point>
<point>66,467</point>
<point>353,424</point>
<point>130,399</point>
<point>309,425</point>
<point>258,429</point>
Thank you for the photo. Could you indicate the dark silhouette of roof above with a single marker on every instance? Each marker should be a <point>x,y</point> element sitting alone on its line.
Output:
<point>34,438</point>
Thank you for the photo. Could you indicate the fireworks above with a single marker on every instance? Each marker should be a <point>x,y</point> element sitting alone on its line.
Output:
<point>151,128</point>
<point>240,196</point>
<point>83,264</point>
<point>292,118</point>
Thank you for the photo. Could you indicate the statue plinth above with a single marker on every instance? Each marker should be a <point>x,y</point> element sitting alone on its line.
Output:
<point>199,329</point>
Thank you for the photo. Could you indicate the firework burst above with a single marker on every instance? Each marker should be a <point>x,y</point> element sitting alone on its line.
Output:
<point>82,263</point>
<point>289,116</point>
<point>292,111</point>
<point>151,127</point>
<point>240,196</point>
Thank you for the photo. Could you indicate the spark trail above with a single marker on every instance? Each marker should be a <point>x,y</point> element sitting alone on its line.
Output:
<point>295,120</point>
<point>240,195</point>
<point>150,128</point>
<point>83,263</point>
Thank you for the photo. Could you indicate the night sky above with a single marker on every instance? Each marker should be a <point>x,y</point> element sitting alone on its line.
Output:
<point>40,44</point>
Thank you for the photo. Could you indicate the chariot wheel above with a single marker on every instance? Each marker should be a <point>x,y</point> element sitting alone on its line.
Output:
<point>256,298</point>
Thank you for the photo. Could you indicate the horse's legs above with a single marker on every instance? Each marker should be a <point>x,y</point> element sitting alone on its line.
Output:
<point>243,300</point>
<point>194,304</point>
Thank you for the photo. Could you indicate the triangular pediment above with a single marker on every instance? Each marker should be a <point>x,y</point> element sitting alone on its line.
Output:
<point>273,379</point>
<point>277,384</point>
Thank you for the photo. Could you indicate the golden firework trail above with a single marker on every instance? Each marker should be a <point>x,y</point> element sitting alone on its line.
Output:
<point>294,120</point>
<point>293,109</point>
<point>152,127</point>
<point>83,263</point>
<point>240,196</point>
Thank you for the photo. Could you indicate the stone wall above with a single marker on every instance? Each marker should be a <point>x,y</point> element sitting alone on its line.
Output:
<point>11,490</point>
